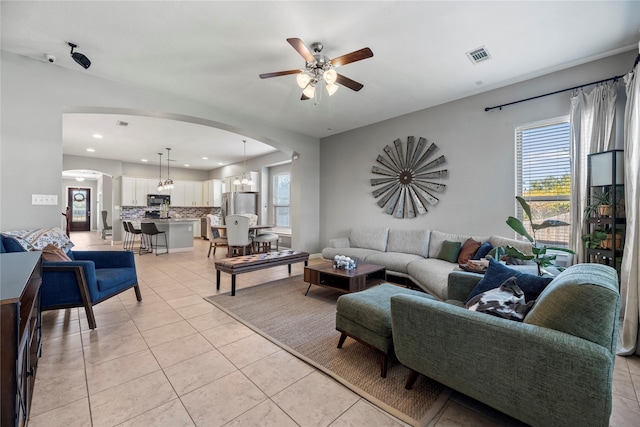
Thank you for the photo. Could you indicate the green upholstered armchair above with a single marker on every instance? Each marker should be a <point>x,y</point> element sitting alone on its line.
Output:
<point>554,368</point>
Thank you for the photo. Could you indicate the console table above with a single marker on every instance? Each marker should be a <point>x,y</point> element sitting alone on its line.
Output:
<point>20,333</point>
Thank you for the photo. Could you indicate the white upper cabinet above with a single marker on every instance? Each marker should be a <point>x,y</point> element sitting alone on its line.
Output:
<point>212,193</point>
<point>134,190</point>
<point>186,194</point>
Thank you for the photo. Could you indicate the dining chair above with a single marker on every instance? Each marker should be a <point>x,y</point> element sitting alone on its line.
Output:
<point>106,229</point>
<point>149,231</point>
<point>262,242</point>
<point>215,238</point>
<point>238,234</point>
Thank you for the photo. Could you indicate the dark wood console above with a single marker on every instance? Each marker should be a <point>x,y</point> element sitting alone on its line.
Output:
<point>20,328</point>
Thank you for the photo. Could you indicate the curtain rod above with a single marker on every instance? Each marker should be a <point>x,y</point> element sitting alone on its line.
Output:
<point>614,78</point>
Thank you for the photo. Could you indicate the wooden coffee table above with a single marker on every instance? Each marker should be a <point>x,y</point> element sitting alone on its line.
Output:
<point>360,278</point>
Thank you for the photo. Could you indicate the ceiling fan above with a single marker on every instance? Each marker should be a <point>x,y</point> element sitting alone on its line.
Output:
<point>319,68</point>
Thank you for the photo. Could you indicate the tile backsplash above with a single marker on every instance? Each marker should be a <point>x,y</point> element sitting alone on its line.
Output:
<point>134,212</point>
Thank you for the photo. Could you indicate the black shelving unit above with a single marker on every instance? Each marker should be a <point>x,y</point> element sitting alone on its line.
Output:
<point>605,175</point>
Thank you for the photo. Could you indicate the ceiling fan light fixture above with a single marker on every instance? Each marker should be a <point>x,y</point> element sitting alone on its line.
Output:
<point>309,91</point>
<point>330,76</point>
<point>303,80</point>
<point>332,88</point>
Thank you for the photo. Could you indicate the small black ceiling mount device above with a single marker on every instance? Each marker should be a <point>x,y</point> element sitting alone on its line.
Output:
<point>78,57</point>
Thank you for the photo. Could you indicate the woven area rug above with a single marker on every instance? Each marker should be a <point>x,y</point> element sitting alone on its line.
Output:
<point>305,326</point>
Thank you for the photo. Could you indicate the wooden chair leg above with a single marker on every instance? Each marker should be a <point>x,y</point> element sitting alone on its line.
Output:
<point>209,254</point>
<point>411,379</point>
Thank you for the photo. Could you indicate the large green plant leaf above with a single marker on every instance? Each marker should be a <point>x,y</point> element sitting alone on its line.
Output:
<point>515,253</point>
<point>548,224</point>
<point>518,227</point>
<point>525,207</point>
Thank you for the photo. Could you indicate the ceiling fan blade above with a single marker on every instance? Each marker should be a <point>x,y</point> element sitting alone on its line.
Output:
<point>302,49</point>
<point>304,97</point>
<point>346,81</point>
<point>358,55</point>
<point>279,73</point>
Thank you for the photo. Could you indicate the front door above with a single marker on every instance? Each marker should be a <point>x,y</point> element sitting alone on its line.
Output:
<point>80,201</point>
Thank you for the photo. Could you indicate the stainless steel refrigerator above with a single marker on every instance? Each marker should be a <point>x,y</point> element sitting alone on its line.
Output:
<point>240,203</point>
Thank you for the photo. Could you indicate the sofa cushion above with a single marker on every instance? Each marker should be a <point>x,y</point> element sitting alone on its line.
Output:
<point>583,301</point>
<point>449,251</point>
<point>497,273</point>
<point>369,238</point>
<point>409,242</point>
<point>438,237</point>
<point>523,246</point>
<point>431,274</point>
<point>10,244</point>
<point>361,254</point>
<point>468,250</point>
<point>393,261</point>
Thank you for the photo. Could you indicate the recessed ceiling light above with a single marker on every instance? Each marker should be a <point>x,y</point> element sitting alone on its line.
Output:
<point>220,163</point>
<point>144,160</point>
<point>97,136</point>
<point>205,158</point>
<point>186,165</point>
<point>91,150</point>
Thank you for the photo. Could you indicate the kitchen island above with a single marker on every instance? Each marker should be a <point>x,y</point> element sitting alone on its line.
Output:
<point>179,232</point>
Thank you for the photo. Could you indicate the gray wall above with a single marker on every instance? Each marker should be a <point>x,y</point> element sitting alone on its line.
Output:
<point>36,94</point>
<point>479,148</point>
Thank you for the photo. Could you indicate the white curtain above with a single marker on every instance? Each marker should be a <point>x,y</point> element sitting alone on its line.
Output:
<point>592,131</point>
<point>630,270</point>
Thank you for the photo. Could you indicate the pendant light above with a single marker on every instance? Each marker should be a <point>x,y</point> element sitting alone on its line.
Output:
<point>160,183</point>
<point>246,177</point>
<point>168,184</point>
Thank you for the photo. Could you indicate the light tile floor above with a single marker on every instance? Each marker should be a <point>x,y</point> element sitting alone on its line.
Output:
<point>176,360</point>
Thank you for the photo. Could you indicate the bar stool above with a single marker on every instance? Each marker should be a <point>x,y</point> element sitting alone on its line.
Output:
<point>149,230</point>
<point>134,232</point>
<point>127,236</point>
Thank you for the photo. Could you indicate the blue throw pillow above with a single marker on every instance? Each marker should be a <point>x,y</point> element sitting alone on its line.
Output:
<point>483,250</point>
<point>497,273</point>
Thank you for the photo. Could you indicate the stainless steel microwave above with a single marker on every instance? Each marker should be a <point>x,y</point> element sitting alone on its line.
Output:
<point>158,199</point>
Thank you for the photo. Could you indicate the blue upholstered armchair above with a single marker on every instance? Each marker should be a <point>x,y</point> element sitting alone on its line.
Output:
<point>88,279</point>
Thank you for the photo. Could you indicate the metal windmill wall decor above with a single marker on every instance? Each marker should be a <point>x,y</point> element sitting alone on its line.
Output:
<point>407,187</point>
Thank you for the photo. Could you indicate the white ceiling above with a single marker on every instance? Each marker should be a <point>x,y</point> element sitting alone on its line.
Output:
<point>213,51</point>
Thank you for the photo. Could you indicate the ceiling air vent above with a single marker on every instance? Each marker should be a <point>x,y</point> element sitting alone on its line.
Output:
<point>478,55</point>
<point>121,123</point>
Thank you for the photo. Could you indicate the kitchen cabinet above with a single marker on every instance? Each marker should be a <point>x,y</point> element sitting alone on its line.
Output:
<point>255,177</point>
<point>212,193</point>
<point>186,194</point>
<point>21,333</point>
<point>135,190</point>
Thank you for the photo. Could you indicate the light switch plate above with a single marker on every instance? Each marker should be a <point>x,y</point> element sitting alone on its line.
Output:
<point>44,199</point>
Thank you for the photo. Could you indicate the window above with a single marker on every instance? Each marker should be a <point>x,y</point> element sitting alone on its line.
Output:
<point>543,168</point>
<point>281,193</point>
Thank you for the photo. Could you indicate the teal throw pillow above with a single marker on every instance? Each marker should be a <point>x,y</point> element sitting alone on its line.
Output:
<point>449,251</point>
<point>497,273</point>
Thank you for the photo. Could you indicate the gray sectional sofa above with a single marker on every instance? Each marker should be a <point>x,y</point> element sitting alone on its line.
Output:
<point>410,254</point>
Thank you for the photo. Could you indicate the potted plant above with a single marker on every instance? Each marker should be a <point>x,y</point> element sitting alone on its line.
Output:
<point>600,204</point>
<point>540,256</point>
<point>594,240</point>
<point>607,243</point>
